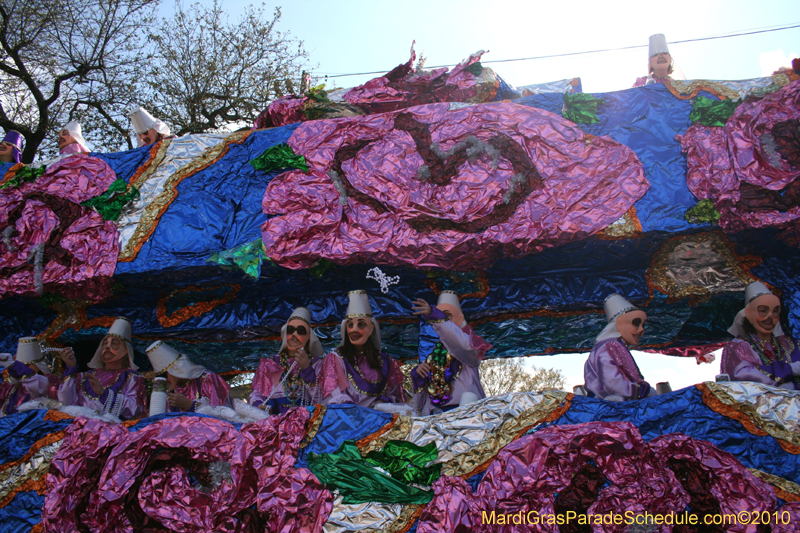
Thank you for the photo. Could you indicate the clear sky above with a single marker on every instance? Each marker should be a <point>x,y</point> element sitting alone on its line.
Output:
<point>363,36</point>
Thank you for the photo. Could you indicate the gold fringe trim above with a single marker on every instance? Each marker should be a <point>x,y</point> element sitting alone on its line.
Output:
<point>784,489</point>
<point>155,210</point>
<point>553,405</point>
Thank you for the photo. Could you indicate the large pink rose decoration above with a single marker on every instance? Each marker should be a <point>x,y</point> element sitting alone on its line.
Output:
<point>440,186</point>
<point>749,167</point>
<point>50,242</point>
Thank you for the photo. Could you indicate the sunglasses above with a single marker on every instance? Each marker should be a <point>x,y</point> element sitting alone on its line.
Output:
<point>301,330</point>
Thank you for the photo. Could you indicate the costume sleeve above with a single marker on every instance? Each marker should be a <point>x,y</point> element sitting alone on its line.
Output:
<point>394,392</point>
<point>604,376</point>
<point>640,82</point>
<point>36,384</point>
<point>334,381</point>
<point>267,377</point>
<point>71,392</point>
<point>741,364</point>
<point>129,402</point>
<point>457,342</point>
<point>216,390</point>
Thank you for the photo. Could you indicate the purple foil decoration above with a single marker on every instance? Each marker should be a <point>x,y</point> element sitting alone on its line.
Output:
<point>740,168</point>
<point>549,185</point>
<point>528,473</point>
<point>111,480</point>
<point>404,87</point>
<point>79,248</point>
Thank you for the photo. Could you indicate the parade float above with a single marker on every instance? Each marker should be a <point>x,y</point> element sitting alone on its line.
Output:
<point>533,204</point>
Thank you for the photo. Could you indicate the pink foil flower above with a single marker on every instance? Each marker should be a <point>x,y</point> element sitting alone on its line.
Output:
<point>434,187</point>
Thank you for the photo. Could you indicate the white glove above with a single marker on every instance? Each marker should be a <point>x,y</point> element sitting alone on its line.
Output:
<point>795,368</point>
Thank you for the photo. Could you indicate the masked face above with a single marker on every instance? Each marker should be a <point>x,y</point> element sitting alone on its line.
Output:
<point>631,326</point>
<point>149,137</point>
<point>453,313</point>
<point>7,152</point>
<point>65,138</point>
<point>114,353</point>
<point>359,330</point>
<point>659,65</point>
<point>298,333</point>
<point>764,313</point>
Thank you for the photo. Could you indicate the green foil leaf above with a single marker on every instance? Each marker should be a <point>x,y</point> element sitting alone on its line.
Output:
<point>279,157</point>
<point>703,212</point>
<point>406,461</point>
<point>247,257</point>
<point>111,203</point>
<point>358,481</point>
<point>581,108</point>
<point>24,175</point>
<point>708,112</point>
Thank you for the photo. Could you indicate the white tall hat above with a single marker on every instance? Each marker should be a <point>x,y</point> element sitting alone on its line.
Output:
<point>303,314</point>
<point>615,306</point>
<point>359,307</point>
<point>141,119</point>
<point>76,131</point>
<point>29,351</point>
<point>165,358</point>
<point>449,298</point>
<point>121,328</point>
<point>751,292</point>
<point>658,45</point>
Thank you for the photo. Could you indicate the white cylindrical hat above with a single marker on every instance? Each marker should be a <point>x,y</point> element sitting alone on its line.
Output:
<point>29,352</point>
<point>141,119</point>
<point>76,131</point>
<point>449,298</point>
<point>615,306</point>
<point>165,358</point>
<point>359,307</point>
<point>658,45</point>
<point>121,328</point>
<point>301,313</point>
<point>751,292</point>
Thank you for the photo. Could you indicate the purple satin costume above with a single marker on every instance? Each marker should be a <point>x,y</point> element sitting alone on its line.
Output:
<point>123,394</point>
<point>209,386</point>
<point>463,344</point>
<point>741,362</point>
<point>268,377</point>
<point>611,370</point>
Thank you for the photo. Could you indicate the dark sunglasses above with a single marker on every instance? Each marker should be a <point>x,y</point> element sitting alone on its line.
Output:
<point>301,330</point>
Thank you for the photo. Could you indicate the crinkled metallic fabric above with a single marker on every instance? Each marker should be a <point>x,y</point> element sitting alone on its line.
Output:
<point>774,410</point>
<point>471,213</point>
<point>725,162</point>
<point>735,90</point>
<point>469,436</point>
<point>79,247</point>
<point>366,517</point>
<point>160,476</point>
<point>642,477</point>
<point>157,189</point>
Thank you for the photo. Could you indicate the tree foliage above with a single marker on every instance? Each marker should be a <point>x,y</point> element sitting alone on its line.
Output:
<point>56,53</point>
<point>244,66</point>
<point>92,60</point>
<point>501,376</point>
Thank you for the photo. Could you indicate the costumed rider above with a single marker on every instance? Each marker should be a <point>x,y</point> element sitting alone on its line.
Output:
<point>610,371</point>
<point>761,351</point>
<point>71,141</point>
<point>189,385</point>
<point>148,129</point>
<point>11,147</point>
<point>293,377</point>
<point>113,384</point>
<point>28,376</point>
<point>364,374</point>
<point>449,375</point>
<point>660,65</point>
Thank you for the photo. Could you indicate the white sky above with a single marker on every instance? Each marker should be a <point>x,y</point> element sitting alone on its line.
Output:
<point>362,36</point>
